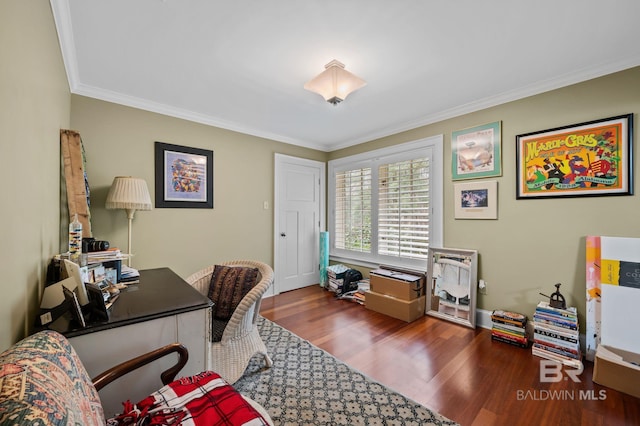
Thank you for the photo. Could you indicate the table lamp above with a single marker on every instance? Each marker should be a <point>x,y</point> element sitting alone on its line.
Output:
<point>130,194</point>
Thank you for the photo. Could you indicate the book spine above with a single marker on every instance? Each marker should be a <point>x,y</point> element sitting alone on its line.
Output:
<point>509,316</point>
<point>555,350</point>
<point>556,342</point>
<point>518,339</point>
<point>507,321</point>
<point>520,333</point>
<point>509,327</point>
<point>554,334</point>
<point>558,319</point>
<point>565,346</point>
<point>509,341</point>
<point>553,328</point>
<point>571,362</point>
<point>556,324</point>
<point>547,307</point>
<point>556,313</point>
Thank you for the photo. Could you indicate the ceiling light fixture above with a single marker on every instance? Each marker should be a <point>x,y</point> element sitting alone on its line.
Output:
<point>335,83</point>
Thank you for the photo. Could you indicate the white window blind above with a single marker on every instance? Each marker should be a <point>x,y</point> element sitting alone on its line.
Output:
<point>353,210</point>
<point>385,206</point>
<point>403,209</point>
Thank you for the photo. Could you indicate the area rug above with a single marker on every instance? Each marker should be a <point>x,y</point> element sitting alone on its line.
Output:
<point>309,386</point>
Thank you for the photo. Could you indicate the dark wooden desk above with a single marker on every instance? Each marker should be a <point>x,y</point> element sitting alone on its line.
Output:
<point>161,309</point>
<point>160,293</point>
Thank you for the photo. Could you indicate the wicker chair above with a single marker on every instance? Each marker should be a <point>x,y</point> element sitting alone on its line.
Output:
<point>240,339</point>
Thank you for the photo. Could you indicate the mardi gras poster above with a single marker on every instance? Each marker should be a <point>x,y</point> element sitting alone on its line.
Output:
<point>584,159</point>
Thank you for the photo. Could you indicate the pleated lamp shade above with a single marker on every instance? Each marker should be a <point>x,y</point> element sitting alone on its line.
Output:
<point>128,193</point>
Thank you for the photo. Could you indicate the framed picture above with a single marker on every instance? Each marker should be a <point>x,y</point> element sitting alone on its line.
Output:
<point>476,200</point>
<point>184,177</point>
<point>585,159</point>
<point>475,152</point>
<point>451,285</point>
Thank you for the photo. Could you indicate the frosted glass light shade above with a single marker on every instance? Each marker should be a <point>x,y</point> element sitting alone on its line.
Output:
<point>335,83</point>
<point>127,192</point>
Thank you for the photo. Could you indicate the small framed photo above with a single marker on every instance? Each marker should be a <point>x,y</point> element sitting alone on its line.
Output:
<point>586,159</point>
<point>476,200</point>
<point>184,177</point>
<point>475,152</point>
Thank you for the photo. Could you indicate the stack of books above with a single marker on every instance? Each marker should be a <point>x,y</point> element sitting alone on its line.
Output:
<point>556,334</point>
<point>509,327</point>
<point>108,255</point>
<point>336,277</point>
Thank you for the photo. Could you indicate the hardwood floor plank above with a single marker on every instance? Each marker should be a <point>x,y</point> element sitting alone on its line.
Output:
<point>458,372</point>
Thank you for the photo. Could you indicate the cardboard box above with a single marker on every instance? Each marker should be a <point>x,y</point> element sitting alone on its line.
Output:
<point>396,284</point>
<point>397,308</point>
<point>617,369</point>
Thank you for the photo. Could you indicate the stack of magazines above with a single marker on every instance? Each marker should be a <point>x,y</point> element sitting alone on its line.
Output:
<point>336,277</point>
<point>129,275</point>
<point>556,334</point>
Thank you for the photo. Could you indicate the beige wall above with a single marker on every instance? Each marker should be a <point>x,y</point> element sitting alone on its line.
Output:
<point>533,244</point>
<point>536,243</point>
<point>120,141</point>
<point>34,105</point>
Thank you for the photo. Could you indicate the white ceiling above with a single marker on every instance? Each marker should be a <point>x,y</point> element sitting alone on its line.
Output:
<point>241,65</point>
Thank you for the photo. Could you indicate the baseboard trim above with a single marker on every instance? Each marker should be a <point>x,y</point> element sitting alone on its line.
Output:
<point>483,318</point>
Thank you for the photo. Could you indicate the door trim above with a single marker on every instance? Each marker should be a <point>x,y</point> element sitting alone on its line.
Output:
<point>279,161</point>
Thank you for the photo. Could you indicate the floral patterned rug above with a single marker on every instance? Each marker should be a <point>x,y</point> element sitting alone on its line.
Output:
<point>309,386</point>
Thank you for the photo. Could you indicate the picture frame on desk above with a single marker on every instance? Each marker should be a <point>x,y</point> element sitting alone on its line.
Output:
<point>76,310</point>
<point>183,177</point>
<point>98,309</point>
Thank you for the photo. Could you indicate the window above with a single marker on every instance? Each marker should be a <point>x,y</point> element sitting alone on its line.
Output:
<point>353,210</point>
<point>385,206</point>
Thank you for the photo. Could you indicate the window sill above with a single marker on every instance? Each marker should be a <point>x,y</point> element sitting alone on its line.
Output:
<point>372,265</point>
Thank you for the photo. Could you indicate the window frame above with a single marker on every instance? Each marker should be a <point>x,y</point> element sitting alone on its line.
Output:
<point>431,147</point>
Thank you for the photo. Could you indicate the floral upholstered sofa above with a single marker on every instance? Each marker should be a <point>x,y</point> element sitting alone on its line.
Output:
<point>43,382</point>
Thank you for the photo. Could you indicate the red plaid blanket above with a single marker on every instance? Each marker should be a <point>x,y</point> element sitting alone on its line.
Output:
<point>204,399</point>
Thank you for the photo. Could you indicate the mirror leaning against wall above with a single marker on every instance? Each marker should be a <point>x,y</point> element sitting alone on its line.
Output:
<point>451,285</point>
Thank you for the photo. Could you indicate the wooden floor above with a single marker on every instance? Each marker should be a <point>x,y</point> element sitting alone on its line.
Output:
<point>456,371</point>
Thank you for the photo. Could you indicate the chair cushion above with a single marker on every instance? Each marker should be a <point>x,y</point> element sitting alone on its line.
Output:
<point>204,399</point>
<point>229,284</point>
<point>217,329</point>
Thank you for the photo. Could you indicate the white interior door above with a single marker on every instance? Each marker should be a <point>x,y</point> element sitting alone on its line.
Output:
<point>299,217</point>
